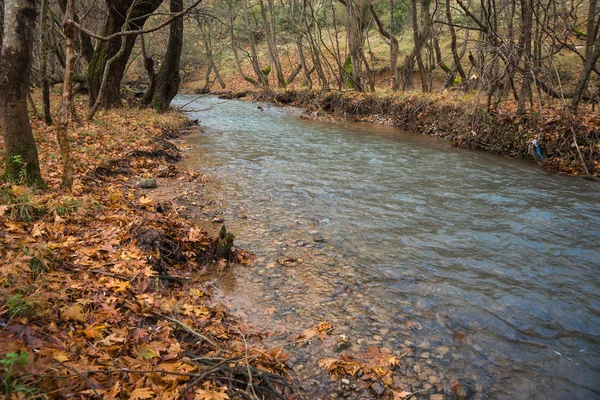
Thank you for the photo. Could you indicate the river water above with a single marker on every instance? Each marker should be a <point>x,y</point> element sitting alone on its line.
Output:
<point>402,239</point>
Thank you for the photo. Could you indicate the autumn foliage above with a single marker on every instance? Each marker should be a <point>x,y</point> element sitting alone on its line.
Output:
<point>99,293</point>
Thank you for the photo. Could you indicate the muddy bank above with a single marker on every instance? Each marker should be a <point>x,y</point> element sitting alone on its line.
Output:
<point>546,138</point>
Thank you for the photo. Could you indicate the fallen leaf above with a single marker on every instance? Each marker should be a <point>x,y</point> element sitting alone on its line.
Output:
<point>145,200</point>
<point>74,312</point>
<point>142,393</point>
<point>202,394</point>
<point>401,395</point>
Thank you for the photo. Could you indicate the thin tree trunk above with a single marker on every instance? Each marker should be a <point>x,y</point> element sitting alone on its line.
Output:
<point>355,38</point>
<point>66,101</point>
<point>262,78</point>
<point>21,157</point>
<point>591,55</point>
<point>168,78</point>
<point>527,18</point>
<point>44,45</point>
<point>149,67</point>
<point>235,49</point>
<point>393,44</point>
<point>209,54</point>
<point>1,22</point>
<point>453,49</point>
<point>269,27</point>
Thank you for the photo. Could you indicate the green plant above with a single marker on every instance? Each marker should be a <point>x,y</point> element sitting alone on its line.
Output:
<point>19,306</point>
<point>16,162</point>
<point>11,361</point>
<point>67,205</point>
<point>22,208</point>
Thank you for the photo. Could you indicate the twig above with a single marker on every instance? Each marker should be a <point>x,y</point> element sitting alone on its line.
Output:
<point>205,374</point>
<point>248,363</point>
<point>87,381</point>
<point>201,109</point>
<point>190,330</point>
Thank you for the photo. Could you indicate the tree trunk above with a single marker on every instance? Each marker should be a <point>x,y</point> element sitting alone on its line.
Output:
<point>234,48</point>
<point>591,55</point>
<point>168,78</point>
<point>44,45</point>
<point>260,76</point>
<point>104,51</point>
<point>269,27</point>
<point>22,164</point>
<point>149,67</point>
<point>1,21</point>
<point>355,30</point>
<point>393,44</point>
<point>66,101</point>
<point>455,57</point>
<point>212,65</point>
<point>527,21</point>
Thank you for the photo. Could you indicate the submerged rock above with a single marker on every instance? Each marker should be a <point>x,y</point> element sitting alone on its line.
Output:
<point>463,389</point>
<point>148,183</point>
<point>378,388</point>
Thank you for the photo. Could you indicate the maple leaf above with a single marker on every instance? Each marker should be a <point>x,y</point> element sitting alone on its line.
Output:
<point>393,362</point>
<point>401,395</point>
<point>74,312</point>
<point>145,200</point>
<point>202,394</point>
<point>142,393</point>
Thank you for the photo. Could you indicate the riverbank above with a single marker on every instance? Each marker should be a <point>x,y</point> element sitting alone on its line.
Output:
<point>554,140</point>
<point>100,288</point>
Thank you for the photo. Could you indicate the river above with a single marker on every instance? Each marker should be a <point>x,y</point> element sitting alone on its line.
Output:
<point>398,238</point>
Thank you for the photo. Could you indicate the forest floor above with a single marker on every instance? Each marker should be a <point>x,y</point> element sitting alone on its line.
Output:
<point>102,289</point>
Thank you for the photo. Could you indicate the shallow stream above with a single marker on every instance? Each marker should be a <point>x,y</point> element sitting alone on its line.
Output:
<point>489,266</point>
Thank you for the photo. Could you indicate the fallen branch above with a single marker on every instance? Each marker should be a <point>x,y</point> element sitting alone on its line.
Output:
<point>190,330</point>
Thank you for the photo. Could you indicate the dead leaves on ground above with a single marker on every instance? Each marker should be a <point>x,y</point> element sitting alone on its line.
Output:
<point>80,292</point>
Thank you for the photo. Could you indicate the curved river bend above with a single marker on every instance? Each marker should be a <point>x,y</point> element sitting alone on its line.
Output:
<point>497,262</point>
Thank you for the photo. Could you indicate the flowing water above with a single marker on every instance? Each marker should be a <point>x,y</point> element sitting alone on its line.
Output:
<point>492,263</point>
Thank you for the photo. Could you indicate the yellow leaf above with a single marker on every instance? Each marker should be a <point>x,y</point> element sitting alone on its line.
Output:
<point>3,209</point>
<point>74,312</point>
<point>401,395</point>
<point>145,200</point>
<point>60,356</point>
<point>142,393</point>
<point>115,196</point>
<point>394,362</point>
<point>202,394</point>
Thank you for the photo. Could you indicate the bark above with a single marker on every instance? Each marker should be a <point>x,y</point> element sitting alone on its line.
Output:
<point>269,27</point>
<point>527,21</point>
<point>104,51</point>
<point>356,10</point>
<point>212,65</point>
<point>168,78</point>
<point>44,45</point>
<point>453,49</point>
<point>592,54</point>
<point>83,42</point>
<point>149,67</point>
<point>22,164</point>
<point>234,48</point>
<point>393,44</point>
<point>1,21</point>
<point>262,78</point>
<point>66,101</point>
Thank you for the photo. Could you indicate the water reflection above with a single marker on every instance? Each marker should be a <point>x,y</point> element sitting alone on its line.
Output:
<point>494,260</point>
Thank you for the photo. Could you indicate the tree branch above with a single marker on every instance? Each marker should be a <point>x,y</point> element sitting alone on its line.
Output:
<point>130,33</point>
